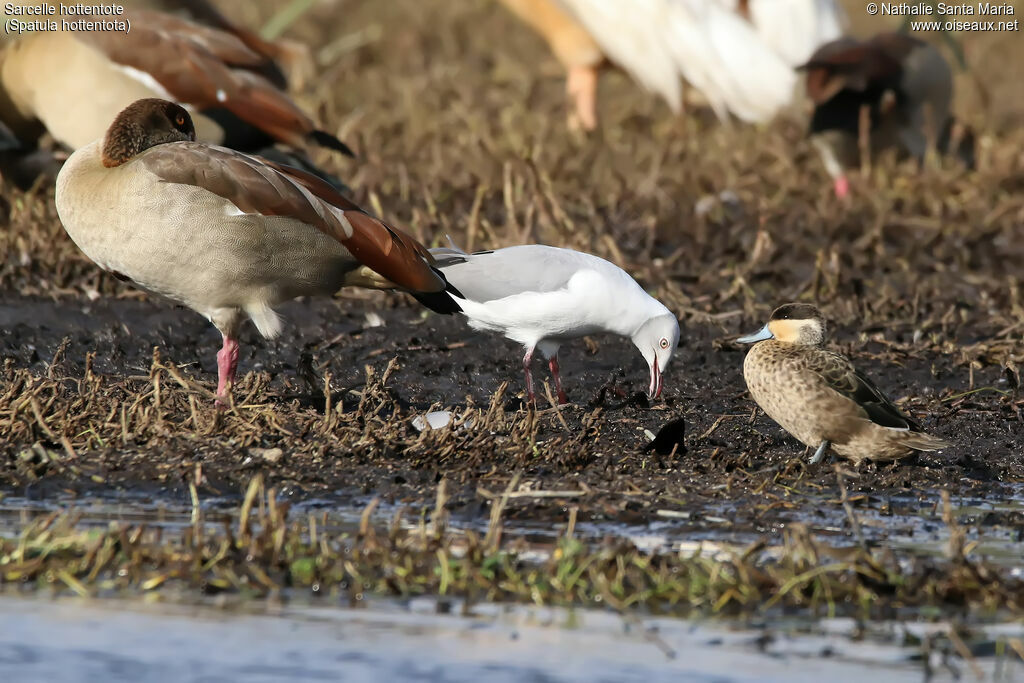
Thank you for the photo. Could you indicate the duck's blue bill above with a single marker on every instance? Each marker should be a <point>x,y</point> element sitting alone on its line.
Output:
<point>760,335</point>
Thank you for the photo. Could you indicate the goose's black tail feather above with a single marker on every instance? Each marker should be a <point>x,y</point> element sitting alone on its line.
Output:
<point>325,139</point>
<point>443,301</point>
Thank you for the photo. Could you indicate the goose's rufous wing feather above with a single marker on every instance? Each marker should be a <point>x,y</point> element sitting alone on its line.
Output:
<point>259,187</point>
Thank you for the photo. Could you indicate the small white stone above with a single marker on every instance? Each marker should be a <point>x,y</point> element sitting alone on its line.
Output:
<point>271,455</point>
<point>437,419</point>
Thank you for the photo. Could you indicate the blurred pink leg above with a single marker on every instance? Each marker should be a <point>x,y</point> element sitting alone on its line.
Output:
<point>842,186</point>
<point>581,85</point>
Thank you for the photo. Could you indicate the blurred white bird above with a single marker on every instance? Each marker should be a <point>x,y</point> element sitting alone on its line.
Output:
<point>740,54</point>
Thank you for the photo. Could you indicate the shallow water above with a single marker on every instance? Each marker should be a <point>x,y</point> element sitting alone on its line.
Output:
<point>912,526</point>
<point>423,640</point>
<point>83,640</point>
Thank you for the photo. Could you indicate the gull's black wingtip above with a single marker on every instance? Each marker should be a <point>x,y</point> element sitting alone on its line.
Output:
<point>325,139</point>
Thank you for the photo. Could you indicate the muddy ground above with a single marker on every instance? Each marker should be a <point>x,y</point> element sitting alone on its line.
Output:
<point>125,438</point>
<point>456,112</point>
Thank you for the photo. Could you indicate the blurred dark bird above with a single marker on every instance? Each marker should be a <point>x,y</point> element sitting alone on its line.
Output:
<point>740,54</point>
<point>72,84</point>
<point>889,92</point>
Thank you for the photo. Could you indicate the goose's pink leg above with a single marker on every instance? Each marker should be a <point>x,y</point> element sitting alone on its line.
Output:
<point>553,365</point>
<point>227,365</point>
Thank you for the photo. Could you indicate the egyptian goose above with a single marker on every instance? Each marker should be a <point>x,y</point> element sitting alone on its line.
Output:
<point>820,398</point>
<point>227,234</point>
<point>740,54</point>
<point>893,91</point>
<point>543,296</point>
<point>74,83</point>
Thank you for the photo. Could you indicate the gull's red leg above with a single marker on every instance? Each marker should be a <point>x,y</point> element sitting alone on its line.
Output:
<point>553,365</point>
<point>527,360</point>
<point>227,365</point>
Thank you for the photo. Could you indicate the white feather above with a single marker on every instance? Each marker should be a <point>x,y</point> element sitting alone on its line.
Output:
<point>145,79</point>
<point>742,67</point>
<point>632,35</point>
<point>794,29</point>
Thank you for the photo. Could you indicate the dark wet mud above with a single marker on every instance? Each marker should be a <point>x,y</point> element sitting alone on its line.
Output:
<point>732,458</point>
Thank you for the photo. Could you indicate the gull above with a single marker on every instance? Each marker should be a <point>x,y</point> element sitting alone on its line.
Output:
<point>543,296</point>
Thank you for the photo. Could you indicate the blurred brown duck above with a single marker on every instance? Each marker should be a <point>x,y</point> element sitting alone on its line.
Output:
<point>820,398</point>
<point>288,63</point>
<point>72,84</point>
<point>227,234</point>
<point>892,90</point>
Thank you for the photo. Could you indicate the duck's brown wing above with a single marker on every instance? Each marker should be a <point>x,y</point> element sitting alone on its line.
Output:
<point>204,13</point>
<point>841,376</point>
<point>208,68</point>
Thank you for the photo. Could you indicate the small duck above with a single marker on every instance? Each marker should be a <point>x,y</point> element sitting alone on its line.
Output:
<point>820,398</point>
<point>542,296</point>
<point>227,234</point>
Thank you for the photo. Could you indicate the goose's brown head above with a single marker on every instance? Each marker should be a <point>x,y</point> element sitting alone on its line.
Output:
<point>144,124</point>
<point>792,324</point>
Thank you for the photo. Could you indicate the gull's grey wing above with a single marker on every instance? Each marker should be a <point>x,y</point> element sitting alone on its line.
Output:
<point>489,275</point>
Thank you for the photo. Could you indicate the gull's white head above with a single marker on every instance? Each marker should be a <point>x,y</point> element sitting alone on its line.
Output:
<point>657,339</point>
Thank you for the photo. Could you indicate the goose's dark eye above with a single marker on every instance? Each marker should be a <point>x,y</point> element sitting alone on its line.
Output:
<point>180,120</point>
<point>664,343</point>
